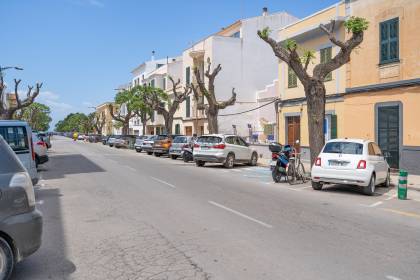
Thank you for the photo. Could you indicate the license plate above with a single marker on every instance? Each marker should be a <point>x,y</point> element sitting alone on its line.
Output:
<point>204,147</point>
<point>337,163</point>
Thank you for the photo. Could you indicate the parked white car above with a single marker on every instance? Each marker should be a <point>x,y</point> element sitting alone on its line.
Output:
<point>353,162</point>
<point>225,149</point>
<point>40,148</point>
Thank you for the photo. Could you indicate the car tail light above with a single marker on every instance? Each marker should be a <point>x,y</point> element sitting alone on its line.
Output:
<point>196,146</point>
<point>274,155</point>
<point>318,161</point>
<point>32,148</point>
<point>361,164</point>
<point>219,146</point>
<point>22,180</point>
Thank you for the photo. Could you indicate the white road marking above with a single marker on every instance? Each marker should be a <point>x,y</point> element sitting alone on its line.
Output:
<point>391,197</point>
<point>307,187</point>
<point>237,170</point>
<point>292,189</point>
<point>240,214</point>
<point>130,168</point>
<point>255,176</point>
<point>376,204</point>
<point>163,182</point>
<point>390,277</point>
<point>40,202</point>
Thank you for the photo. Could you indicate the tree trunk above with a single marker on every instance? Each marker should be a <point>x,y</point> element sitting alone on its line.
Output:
<point>168,123</point>
<point>212,121</point>
<point>144,123</point>
<point>125,128</point>
<point>315,94</point>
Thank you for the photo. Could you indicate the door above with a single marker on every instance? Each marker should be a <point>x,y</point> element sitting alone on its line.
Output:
<point>243,150</point>
<point>188,130</point>
<point>375,158</point>
<point>389,134</point>
<point>293,131</point>
<point>382,164</point>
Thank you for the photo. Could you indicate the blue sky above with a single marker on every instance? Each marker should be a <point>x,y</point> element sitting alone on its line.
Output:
<point>83,49</point>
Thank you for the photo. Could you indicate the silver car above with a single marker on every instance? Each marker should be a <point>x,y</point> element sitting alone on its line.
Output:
<point>20,222</point>
<point>225,149</point>
<point>139,142</point>
<point>147,145</point>
<point>178,144</point>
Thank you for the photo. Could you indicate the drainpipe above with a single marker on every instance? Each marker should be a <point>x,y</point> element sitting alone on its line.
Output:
<point>276,133</point>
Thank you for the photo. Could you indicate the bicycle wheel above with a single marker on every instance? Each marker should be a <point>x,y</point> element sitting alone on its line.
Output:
<point>291,173</point>
<point>301,172</point>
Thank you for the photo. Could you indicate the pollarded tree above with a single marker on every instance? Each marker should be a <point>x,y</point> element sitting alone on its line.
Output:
<point>157,99</point>
<point>313,85</point>
<point>128,100</point>
<point>97,120</point>
<point>213,106</point>
<point>8,110</point>
<point>37,115</point>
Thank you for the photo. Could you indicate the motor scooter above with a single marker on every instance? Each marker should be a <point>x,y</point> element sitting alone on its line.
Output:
<point>187,153</point>
<point>280,156</point>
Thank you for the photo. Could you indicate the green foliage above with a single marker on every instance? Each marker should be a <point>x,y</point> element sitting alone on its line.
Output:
<point>290,44</point>
<point>356,24</point>
<point>308,55</point>
<point>265,33</point>
<point>78,122</point>
<point>37,115</point>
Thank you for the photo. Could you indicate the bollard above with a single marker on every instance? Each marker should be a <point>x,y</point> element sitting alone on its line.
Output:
<point>402,185</point>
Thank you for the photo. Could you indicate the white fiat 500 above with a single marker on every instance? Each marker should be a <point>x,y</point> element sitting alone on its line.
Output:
<point>352,162</point>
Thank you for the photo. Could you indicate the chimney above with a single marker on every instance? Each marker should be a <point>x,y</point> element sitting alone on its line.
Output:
<point>153,56</point>
<point>265,11</point>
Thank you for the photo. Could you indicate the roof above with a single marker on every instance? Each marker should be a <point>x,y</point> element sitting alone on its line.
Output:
<point>356,140</point>
<point>13,122</point>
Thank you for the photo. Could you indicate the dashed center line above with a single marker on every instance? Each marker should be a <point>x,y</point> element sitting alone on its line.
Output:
<point>240,214</point>
<point>163,182</point>
<point>376,204</point>
<point>390,277</point>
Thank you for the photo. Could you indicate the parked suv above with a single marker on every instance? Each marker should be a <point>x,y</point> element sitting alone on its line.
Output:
<point>20,222</point>
<point>162,144</point>
<point>225,149</point>
<point>351,161</point>
<point>18,135</point>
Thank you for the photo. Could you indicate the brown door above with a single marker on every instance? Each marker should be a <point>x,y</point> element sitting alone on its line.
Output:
<point>293,131</point>
<point>188,130</point>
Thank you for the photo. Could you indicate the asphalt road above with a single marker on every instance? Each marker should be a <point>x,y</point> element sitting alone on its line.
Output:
<point>118,214</point>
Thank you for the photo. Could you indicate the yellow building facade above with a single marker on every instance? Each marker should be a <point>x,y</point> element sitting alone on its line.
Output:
<point>382,97</point>
<point>376,95</point>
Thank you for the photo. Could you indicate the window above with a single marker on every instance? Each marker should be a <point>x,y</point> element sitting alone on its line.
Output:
<point>347,148</point>
<point>236,34</point>
<point>177,130</point>
<point>164,83</point>
<point>371,150</point>
<point>188,107</point>
<point>326,55</point>
<point>377,150</point>
<point>16,137</point>
<point>188,75</point>
<point>209,139</point>
<point>291,78</point>
<point>389,41</point>
<point>229,140</point>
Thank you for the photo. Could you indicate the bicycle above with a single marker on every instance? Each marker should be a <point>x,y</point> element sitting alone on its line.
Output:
<point>295,169</point>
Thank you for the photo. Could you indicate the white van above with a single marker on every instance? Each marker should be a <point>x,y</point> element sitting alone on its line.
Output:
<point>18,134</point>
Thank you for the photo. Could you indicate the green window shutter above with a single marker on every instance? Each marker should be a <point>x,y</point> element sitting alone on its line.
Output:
<point>187,107</point>
<point>152,83</point>
<point>188,75</point>
<point>177,129</point>
<point>333,126</point>
<point>326,55</point>
<point>389,41</point>
<point>291,78</point>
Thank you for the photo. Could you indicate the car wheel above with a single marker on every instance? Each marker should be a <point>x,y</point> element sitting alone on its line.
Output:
<point>174,157</point>
<point>7,261</point>
<point>149,153</point>
<point>36,161</point>
<point>230,161</point>
<point>157,155</point>
<point>387,183</point>
<point>254,159</point>
<point>317,186</point>
<point>370,189</point>
<point>200,163</point>
<point>185,158</point>
<point>138,150</point>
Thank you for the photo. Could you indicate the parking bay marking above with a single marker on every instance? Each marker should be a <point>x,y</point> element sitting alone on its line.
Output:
<point>163,182</point>
<point>408,214</point>
<point>240,214</point>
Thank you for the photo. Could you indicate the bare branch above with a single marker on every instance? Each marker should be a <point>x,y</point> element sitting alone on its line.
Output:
<point>231,101</point>
<point>278,49</point>
<point>330,34</point>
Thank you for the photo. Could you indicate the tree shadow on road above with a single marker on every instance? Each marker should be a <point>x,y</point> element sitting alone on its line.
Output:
<point>50,261</point>
<point>62,165</point>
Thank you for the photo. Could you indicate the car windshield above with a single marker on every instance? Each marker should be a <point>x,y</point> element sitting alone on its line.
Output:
<point>348,148</point>
<point>209,139</point>
<point>161,137</point>
<point>180,139</point>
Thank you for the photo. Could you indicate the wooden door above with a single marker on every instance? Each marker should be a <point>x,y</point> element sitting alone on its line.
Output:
<point>293,131</point>
<point>188,130</point>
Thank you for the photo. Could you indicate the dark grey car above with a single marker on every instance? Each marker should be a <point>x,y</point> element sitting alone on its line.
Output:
<point>20,222</point>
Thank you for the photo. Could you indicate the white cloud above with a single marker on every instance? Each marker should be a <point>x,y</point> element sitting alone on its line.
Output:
<point>48,95</point>
<point>59,106</point>
<point>93,3</point>
<point>96,3</point>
